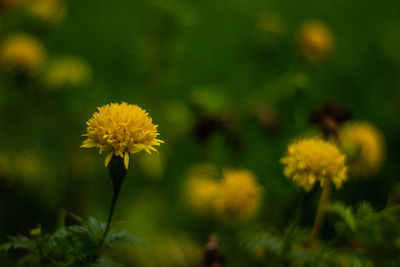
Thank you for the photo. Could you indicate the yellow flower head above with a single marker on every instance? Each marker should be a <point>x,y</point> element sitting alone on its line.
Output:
<point>200,193</point>
<point>121,129</point>
<point>315,41</point>
<point>36,231</point>
<point>239,195</point>
<point>364,147</point>
<point>47,10</point>
<point>22,52</point>
<point>201,188</point>
<point>310,160</point>
<point>68,70</point>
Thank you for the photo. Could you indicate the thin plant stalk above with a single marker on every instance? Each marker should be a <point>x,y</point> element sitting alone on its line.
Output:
<point>117,189</point>
<point>319,218</point>
<point>117,173</point>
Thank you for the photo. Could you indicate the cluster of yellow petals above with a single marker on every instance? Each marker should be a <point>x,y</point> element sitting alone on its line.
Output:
<point>312,159</point>
<point>200,193</point>
<point>239,195</point>
<point>364,147</point>
<point>22,52</point>
<point>47,10</point>
<point>236,196</point>
<point>68,70</point>
<point>315,41</point>
<point>121,129</point>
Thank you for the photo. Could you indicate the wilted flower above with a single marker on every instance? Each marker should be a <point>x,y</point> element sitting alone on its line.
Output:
<point>310,160</point>
<point>6,4</point>
<point>47,10</point>
<point>364,147</point>
<point>69,71</point>
<point>22,52</point>
<point>121,129</point>
<point>315,41</point>
<point>239,195</point>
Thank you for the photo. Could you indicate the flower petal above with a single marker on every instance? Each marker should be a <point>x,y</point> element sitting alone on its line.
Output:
<point>108,158</point>
<point>126,160</point>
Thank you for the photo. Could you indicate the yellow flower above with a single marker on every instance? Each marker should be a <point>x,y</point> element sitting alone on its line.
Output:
<point>22,52</point>
<point>239,195</point>
<point>200,192</point>
<point>310,160</point>
<point>364,147</point>
<point>47,10</point>
<point>121,129</point>
<point>201,188</point>
<point>68,70</point>
<point>315,41</point>
<point>36,231</point>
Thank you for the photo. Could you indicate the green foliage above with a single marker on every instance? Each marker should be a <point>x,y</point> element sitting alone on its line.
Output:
<point>364,237</point>
<point>75,245</point>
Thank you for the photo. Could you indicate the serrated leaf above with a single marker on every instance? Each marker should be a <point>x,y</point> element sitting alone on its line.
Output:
<point>344,212</point>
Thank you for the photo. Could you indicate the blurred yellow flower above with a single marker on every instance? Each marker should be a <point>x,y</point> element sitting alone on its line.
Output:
<point>36,231</point>
<point>271,23</point>
<point>121,129</point>
<point>69,71</point>
<point>315,41</point>
<point>29,166</point>
<point>364,147</point>
<point>239,195</point>
<point>48,10</point>
<point>310,160</point>
<point>200,193</point>
<point>22,52</point>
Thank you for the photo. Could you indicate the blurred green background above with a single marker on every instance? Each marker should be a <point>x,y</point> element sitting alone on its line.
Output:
<point>184,61</point>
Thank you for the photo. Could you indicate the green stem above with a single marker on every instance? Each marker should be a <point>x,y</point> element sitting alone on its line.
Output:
<point>116,191</point>
<point>117,173</point>
<point>319,218</point>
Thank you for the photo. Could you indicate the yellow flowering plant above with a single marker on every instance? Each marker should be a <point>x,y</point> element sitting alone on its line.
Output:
<point>239,195</point>
<point>364,147</point>
<point>120,129</point>
<point>22,52</point>
<point>314,160</point>
<point>315,41</point>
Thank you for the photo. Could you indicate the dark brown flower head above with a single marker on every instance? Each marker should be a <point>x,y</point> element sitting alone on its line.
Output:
<point>211,255</point>
<point>329,117</point>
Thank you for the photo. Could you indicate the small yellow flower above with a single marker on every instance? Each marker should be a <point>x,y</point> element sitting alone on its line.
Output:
<point>48,10</point>
<point>36,231</point>
<point>364,147</point>
<point>315,41</point>
<point>310,160</point>
<point>68,70</point>
<point>22,52</point>
<point>200,193</point>
<point>201,187</point>
<point>239,195</point>
<point>121,129</point>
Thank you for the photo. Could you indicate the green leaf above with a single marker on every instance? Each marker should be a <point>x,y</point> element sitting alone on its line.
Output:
<point>344,212</point>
